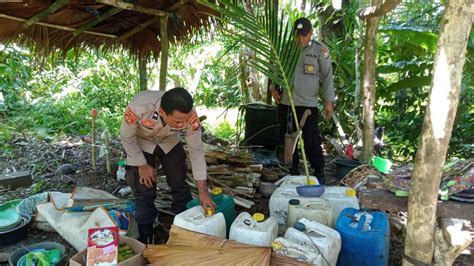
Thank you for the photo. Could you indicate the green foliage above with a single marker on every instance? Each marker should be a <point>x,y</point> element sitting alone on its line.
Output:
<point>224,131</point>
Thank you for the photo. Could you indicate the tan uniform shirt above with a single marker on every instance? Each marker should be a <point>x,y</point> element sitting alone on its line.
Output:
<point>313,71</point>
<point>142,130</point>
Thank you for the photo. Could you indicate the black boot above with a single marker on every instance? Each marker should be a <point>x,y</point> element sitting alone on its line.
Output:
<point>146,233</point>
<point>319,174</point>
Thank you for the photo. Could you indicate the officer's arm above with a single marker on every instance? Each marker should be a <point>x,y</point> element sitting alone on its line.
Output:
<point>195,145</point>
<point>128,131</point>
<point>327,81</point>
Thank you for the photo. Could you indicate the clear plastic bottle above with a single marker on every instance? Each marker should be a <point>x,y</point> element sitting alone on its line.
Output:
<point>121,170</point>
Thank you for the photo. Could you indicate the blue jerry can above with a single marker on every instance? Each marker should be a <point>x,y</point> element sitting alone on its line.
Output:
<point>365,238</point>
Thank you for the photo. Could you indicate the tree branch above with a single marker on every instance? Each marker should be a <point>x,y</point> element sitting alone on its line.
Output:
<point>378,11</point>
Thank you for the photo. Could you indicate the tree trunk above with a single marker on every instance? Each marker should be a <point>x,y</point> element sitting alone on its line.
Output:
<point>370,54</point>
<point>164,51</point>
<point>436,132</point>
<point>142,73</point>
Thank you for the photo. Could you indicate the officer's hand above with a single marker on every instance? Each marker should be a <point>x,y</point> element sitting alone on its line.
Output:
<point>276,95</point>
<point>204,196</point>
<point>147,175</point>
<point>328,110</point>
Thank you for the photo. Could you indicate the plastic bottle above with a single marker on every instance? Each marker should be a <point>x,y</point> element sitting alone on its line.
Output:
<point>121,170</point>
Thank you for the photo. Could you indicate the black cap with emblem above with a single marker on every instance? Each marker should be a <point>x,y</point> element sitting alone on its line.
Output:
<point>302,26</point>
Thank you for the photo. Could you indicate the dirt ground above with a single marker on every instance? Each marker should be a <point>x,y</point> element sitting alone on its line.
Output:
<point>43,158</point>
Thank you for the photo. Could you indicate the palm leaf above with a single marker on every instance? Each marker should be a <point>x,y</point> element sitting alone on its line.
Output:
<point>270,35</point>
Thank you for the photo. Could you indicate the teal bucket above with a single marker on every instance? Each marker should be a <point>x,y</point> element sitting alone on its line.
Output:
<point>224,204</point>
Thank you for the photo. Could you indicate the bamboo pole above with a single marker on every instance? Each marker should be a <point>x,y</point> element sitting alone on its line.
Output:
<point>134,7</point>
<point>96,21</point>
<point>60,27</point>
<point>142,73</point>
<point>164,52</point>
<point>106,137</point>
<point>139,28</point>
<point>93,133</point>
<point>46,12</point>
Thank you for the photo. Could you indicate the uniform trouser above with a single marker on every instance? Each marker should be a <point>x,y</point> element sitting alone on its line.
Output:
<point>311,137</point>
<point>174,166</point>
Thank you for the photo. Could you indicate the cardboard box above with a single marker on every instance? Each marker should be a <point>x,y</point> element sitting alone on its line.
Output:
<point>80,258</point>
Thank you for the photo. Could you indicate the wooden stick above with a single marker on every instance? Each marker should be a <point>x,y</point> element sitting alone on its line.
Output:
<point>96,21</point>
<point>93,133</point>
<point>46,12</point>
<point>60,27</point>
<point>139,28</point>
<point>106,137</point>
<point>164,51</point>
<point>134,7</point>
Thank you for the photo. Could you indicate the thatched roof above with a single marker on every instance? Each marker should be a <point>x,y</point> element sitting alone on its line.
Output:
<point>55,26</point>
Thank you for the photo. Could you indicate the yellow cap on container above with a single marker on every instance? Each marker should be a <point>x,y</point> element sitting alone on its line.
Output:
<point>209,211</point>
<point>216,191</point>
<point>350,192</point>
<point>277,245</point>
<point>258,217</point>
<point>312,182</point>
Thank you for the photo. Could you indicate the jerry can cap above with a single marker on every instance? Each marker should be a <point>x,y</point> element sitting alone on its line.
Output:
<point>350,192</point>
<point>216,191</point>
<point>277,245</point>
<point>259,217</point>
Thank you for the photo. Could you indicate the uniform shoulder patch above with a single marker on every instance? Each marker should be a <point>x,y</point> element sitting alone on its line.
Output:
<point>193,120</point>
<point>325,52</point>
<point>130,116</point>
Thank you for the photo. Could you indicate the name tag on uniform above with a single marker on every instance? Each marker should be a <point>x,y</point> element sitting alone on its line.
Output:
<point>309,69</point>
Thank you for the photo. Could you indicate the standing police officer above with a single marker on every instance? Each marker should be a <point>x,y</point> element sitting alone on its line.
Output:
<point>150,133</point>
<point>312,71</point>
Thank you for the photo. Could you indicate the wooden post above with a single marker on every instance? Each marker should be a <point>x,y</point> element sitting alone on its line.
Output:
<point>164,51</point>
<point>142,73</point>
<point>436,132</point>
<point>94,136</point>
<point>106,137</point>
<point>44,13</point>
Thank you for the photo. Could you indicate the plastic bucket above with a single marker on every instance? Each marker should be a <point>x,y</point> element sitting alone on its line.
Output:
<point>344,166</point>
<point>20,252</point>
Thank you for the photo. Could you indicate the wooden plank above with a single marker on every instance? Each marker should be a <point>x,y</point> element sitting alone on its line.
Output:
<point>44,13</point>
<point>384,200</point>
<point>16,179</point>
<point>164,51</point>
<point>96,20</point>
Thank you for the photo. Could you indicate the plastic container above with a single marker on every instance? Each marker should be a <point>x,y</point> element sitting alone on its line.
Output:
<point>121,170</point>
<point>365,237</point>
<point>254,230</point>
<point>381,164</point>
<point>298,180</point>
<point>194,219</point>
<point>316,209</point>
<point>344,166</point>
<point>224,204</point>
<point>279,205</point>
<point>323,240</point>
<point>295,250</point>
<point>54,257</point>
<point>340,198</point>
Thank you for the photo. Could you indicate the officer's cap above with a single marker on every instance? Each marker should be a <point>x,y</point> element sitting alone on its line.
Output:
<point>302,26</point>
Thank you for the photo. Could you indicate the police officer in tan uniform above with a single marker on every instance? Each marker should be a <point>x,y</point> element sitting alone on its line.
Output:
<point>313,71</point>
<point>150,133</point>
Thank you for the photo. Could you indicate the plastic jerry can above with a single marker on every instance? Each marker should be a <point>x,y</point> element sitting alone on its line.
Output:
<point>365,237</point>
<point>194,219</point>
<point>316,209</point>
<point>323,240</point>
<point>278,205</point>
<point>254,230</point>
<point>224,204</point>
<point>340,198</point>
<point>295,250</point>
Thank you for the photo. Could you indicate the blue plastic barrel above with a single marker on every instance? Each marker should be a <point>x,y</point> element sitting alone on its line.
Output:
<point>363,242</point>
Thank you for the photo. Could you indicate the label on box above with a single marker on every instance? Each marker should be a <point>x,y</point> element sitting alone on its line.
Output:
<point>102,246</point>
